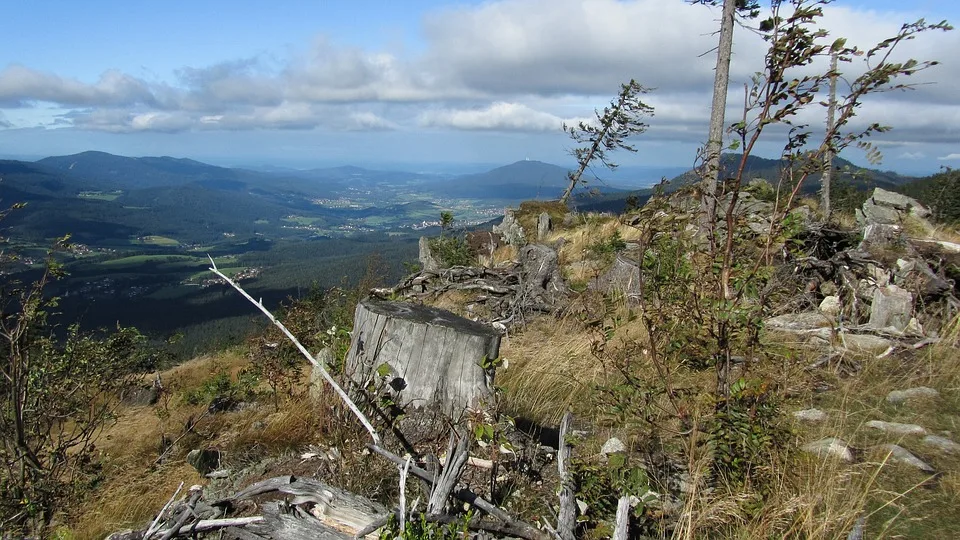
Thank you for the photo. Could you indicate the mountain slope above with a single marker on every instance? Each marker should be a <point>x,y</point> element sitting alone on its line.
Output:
<point>517,181</point>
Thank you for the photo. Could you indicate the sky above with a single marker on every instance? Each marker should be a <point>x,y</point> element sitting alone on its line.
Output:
<point>367,82</point>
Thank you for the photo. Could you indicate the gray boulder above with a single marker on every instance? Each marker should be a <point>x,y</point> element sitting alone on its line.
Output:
<point>810,415</point>
<point>921,392</point>
<point>882,238</point>
<point>943,444</point>
<point>866,343</point>
<point>798,322</point>
<point>899,454</point>
<point>613,446</point>
<point>544,224</point>
<point>917,276</point>
<point>887,207</point>
<point>510,230</point>
<point>897,428</point>
<point>204,461</point>
<point>899,202</point>
<point>830,306</point>
<point>892,307</point>
<point>830,447</point>
<point>428,262</point>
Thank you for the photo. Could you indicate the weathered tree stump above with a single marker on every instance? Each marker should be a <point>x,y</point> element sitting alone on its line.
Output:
<point>434,356</point>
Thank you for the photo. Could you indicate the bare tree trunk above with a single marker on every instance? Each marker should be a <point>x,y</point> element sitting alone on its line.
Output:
<point>827,176</point>
<point>721,80</point>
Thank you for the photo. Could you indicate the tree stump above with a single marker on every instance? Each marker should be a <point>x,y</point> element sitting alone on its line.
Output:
<point>432,357</point>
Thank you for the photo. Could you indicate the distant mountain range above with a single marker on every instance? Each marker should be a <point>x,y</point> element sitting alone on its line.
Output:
<point>100,197</point>
<point>106,199</point>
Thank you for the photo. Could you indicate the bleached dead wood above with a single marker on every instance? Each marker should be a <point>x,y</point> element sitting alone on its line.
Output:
<point>515,527</point>
<point>567,518</point>
<point>433,356</point>
<point>622,529</point>
<point>458,451</point>
<point>303,350</point>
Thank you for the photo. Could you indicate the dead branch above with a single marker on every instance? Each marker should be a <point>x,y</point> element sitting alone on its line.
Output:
<point>567,520</point>
<point>303,350</point>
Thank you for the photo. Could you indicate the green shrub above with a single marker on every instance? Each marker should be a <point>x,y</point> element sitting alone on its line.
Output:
<point>451,251</point>
<point>745,431</point>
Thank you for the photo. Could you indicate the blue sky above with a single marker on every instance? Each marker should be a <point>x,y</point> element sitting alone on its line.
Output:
<point>372,81</point>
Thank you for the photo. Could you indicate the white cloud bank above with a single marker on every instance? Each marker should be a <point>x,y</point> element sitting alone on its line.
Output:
<point>506,65</point>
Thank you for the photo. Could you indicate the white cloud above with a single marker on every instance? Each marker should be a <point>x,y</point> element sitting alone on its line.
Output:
<point>913,155</point>
<point>949,157</point>
<point>20,84</point>
<point>505,65</point>
<point>497,116</point>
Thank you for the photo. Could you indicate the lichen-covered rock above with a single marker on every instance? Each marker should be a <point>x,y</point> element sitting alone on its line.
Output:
<point>896,428</point>
<point>880,239</point>
<point>613,446</point>
<point>830,306</point>
<point>892,307</point>
<point>916,275</point>
<point>427,261</point>
<point>544,225</point>
<point>810,415</point>
<point>204,460</point>
<point>887,207</point>
<point>867,343</point>
<point>830,447</point>
<point>943,444</point>
<point>510,230</point>
<point>798,322</point>
<point>920,392</point>
<point>899,454</point>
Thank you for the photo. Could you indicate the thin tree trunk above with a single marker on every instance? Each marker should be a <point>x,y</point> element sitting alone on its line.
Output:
<point>827,176</point>
<point>721,81</point>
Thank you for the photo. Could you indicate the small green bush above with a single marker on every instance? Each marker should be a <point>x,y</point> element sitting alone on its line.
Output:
<point>451,251</point>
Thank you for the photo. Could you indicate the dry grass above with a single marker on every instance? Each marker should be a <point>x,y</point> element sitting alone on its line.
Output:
<point>130,498</point>
<point>598,228</point>
<point>550,370</point>
<point>503,254</point>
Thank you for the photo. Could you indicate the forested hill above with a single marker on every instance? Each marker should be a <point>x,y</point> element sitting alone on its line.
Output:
<point>848,176</point>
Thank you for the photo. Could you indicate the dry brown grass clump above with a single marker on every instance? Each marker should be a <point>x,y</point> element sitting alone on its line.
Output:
<point>550,370</point>
<point>529,214</point>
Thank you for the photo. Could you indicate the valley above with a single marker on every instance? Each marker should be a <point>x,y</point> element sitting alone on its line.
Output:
<point>142,229</point>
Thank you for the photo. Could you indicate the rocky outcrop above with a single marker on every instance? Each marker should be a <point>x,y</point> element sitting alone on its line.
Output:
<point>892,307</point>
<point>890,208</point>
<point>428,262</point>
<point>544,225</point>
<point>510,230</point>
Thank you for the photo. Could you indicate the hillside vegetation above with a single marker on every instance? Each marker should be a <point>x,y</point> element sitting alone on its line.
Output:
<point>728,357</point>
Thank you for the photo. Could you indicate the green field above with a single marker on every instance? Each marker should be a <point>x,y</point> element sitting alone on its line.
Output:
<point>156,241</point>
<point>207,274</point>
<point>100,195</point>
<point>303,220</point>
<point>166,260</point>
